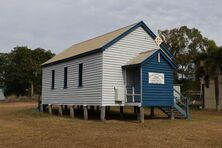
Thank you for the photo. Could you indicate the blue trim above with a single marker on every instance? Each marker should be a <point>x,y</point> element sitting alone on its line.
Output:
<point>134,65</point>
<point>121,36</point>
<point>172,64</point>
<point>147,29</point>
<point>74,57</point>
<point>140,24</point>
<point>157,94</point>
<point>163,45</point>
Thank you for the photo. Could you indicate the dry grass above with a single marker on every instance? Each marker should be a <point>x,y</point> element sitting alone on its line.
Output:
<point>23,126</point>
<point>14,98</point>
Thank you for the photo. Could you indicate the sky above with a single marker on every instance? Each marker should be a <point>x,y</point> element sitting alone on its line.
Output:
<point>57,24</point>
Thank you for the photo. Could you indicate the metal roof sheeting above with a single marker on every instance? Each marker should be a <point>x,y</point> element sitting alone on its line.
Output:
<point>89,45</point>
<point>141,57</point>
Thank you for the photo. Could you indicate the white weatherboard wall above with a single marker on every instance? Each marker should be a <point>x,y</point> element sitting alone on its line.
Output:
<point>118,55</point>
<point>91,91</point>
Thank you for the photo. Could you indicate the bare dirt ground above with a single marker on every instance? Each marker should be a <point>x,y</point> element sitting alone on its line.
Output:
<point>21,125</point>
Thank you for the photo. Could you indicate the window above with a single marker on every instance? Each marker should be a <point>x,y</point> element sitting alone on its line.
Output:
<point>80,74</point>
<point>158,57</point>
<point>53,79</point>
<point>65,76</point>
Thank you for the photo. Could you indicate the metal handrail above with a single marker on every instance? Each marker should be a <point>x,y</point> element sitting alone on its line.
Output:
<point>185,103</point>
<point>133,94</point>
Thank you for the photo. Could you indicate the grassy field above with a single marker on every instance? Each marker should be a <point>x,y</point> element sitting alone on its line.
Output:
<point>21,125</point>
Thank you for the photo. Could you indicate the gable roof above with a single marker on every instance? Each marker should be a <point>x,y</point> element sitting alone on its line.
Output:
<point>99,44</point>
<point>141,57</point>
<point>144,57</point>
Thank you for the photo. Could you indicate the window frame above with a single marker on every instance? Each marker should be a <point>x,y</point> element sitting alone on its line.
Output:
<point>80,75</point>
<point>53,79</point>
<point>65,76</point>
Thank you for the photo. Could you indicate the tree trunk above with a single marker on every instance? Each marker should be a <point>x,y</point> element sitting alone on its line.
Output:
<point>216,84</point>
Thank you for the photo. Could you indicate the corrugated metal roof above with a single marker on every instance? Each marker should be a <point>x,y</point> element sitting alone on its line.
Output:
<point>89,45</point>
<point>141,57</point>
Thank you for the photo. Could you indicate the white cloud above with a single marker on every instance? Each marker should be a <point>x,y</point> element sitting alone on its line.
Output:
<point>58,24</point>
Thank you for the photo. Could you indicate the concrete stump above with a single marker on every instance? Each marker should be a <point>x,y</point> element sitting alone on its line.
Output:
<point>60,110</point>
<point>172,114</point>
<point>141,119</point>
<point>41,108</point>
<point>71,110</point>
<point>50,109</point>
<point>103,113</point>
<point>85,112</point>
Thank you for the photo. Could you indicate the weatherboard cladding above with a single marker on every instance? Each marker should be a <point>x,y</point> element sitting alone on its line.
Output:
<point>102,71</point>
<point>89,45</point>
<point>101,43</point>
<point>120,54</point>
<point>157,94</point>
<point>91,91</point>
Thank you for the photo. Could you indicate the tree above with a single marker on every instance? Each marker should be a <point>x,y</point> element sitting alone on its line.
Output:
<point>185,44</point>
<point>22,73</point>
<point>39,56</point>
<point>213,65</point>
<point>3,63</point>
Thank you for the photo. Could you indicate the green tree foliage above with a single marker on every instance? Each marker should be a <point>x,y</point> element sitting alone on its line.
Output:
<point>3,64</point>
<point>21,70</point>
<point>186,44</point>
<point>211,69</point>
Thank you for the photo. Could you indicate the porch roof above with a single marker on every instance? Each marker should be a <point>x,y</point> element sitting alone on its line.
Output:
<point>141,57</point>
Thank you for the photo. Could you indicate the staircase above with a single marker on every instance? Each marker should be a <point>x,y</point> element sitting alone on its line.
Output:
<point>180,108</point>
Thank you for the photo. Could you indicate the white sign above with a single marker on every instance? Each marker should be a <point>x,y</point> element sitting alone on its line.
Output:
<point>156,78</point>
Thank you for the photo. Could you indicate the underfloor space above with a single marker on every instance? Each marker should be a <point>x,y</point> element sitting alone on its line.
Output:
<point>23,126</point>
<point>114,113</point>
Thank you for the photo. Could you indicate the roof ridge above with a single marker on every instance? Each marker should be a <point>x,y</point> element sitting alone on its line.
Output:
<point>105,34</point>
<point>93,45</point>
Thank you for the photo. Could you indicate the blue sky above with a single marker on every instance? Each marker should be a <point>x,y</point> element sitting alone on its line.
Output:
<point>58,24</point>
